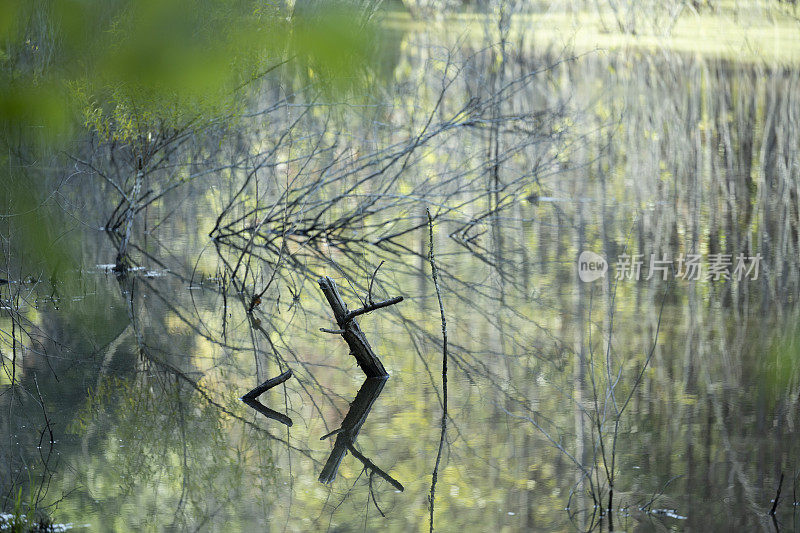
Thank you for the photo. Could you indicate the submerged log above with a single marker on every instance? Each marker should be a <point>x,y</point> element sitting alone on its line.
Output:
<point>366,358</point>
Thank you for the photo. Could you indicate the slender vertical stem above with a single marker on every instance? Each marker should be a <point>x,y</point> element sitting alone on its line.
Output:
<point>434,272</point>
<point>13,306</point>
<point>777,497</point>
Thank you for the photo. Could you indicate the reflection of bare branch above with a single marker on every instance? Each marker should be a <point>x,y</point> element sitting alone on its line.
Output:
<point>351,425</point>
<point>266,411</point>
<point>369,465</point>
<point>251,401</point>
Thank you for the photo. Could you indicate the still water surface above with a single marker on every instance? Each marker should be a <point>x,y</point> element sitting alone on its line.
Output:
<point>140,375</point>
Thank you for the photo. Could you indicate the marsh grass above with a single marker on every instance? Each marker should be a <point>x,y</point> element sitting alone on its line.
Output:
<point>25,516</point>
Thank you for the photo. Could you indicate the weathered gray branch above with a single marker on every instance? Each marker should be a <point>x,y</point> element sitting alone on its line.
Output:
<point>366,358</point>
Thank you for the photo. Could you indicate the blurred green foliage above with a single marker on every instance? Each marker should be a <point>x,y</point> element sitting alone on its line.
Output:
<point>131,65</point>
<point>129,70</point>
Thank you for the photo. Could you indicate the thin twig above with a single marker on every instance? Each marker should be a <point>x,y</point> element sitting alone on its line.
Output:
<point>372,493</point>
<point>334,331</point>
<point>331,434</point>
<point>371,307</point>
<point>372,279</point>
<point>442,436</point>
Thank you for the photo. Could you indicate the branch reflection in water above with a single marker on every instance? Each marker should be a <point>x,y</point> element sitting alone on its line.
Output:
<point>347,434</point>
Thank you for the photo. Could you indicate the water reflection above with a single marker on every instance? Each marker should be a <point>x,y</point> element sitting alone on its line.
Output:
<point>347,434</point>
<point>614,153</point>
<point>251,399</point>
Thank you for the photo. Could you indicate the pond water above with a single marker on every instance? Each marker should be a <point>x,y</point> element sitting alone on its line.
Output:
<point>681,393</point>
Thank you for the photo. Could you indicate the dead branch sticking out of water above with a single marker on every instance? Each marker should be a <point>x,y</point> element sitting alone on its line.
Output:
<point>272,382</point>
<point>251,401</point>
<point>349,329</point>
